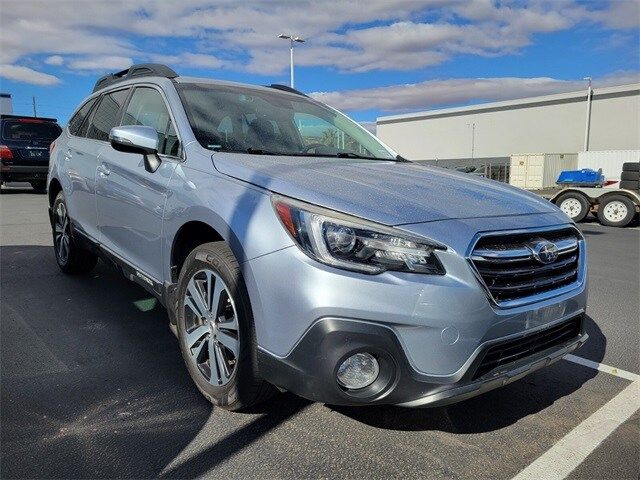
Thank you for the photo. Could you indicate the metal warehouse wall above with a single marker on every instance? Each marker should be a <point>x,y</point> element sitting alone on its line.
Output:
<point>551,124</point>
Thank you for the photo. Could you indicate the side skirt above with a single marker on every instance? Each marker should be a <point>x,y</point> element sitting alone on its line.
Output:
<point>163,292</point>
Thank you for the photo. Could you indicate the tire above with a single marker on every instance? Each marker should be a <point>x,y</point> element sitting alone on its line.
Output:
<point>39,185</point>
<point>234,383</point>
<point>616,211</point>
<point>71,258</point>
<point>574,205</point>
<point>630,185</point>
<point>633,176</point>
<point>631,167</point>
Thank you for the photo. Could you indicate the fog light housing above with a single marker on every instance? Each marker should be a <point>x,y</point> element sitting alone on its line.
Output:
<point>358,371</point>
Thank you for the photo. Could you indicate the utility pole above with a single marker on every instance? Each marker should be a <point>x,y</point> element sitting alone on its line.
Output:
<point>588,119</point>
<point>292,39</point>
<point>35,113</point>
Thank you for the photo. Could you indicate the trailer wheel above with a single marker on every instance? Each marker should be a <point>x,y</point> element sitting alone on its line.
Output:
<point>574,205</point>
<point>616,211</point>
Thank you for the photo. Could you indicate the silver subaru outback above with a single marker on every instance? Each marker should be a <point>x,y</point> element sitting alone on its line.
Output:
<point>295,251</point>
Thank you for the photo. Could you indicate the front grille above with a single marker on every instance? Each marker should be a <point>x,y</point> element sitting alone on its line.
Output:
<point>510,270</point>
<point>510,351</point>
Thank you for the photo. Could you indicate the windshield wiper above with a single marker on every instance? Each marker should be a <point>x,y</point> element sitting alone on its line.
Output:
<point>356,155</point>
<point>260,151</point>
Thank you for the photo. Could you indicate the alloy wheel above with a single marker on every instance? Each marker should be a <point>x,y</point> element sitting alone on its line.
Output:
<point>211,327</point>
<point>61,232</point>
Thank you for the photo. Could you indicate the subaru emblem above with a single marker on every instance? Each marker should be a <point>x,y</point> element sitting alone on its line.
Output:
<point>543,250</point>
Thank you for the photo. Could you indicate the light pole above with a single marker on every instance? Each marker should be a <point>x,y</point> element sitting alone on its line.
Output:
<point>473,138</point>
<point>588,120</point>
<point>292,39</point>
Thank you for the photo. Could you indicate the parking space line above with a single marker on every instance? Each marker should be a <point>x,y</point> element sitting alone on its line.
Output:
<point>603,368</point>
<point>567,454</point>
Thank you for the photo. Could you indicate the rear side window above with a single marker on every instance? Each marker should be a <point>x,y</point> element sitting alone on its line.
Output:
<point>106,115</point>
<point>77,121</point>
<point>30,129</point>
<point>147,107</point>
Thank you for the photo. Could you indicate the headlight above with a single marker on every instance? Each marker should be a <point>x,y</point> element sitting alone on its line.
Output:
<point>354,244</point>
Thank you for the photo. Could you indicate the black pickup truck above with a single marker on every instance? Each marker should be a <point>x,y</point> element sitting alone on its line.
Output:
<point>24,149</point>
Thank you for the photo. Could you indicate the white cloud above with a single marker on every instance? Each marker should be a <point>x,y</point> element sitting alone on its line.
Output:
<point>18,73</point>
<point>197,60</point>
<point>353,36</point>
<point>54,60</point>
<point>461,91</point>
<point>101,63</point>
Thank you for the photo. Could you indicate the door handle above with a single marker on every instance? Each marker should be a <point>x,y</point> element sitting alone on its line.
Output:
<point>103,170</point>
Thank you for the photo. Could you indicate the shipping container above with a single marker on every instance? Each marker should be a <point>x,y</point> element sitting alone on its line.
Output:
<point>610,161</point>
<point>535,171</point>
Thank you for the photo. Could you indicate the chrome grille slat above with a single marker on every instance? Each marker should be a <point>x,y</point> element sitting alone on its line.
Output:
<point>488,272</point>
<point>510,271</point>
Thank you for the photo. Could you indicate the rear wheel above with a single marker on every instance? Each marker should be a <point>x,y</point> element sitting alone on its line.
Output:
<point>216,331</point>
<point>71,258</point>
<point>574,205</point>
<point>616,211</point>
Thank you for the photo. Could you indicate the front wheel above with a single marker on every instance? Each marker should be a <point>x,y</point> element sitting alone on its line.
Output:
<point>616,211</point>
<point>71,258</point>
<point>216,331</point>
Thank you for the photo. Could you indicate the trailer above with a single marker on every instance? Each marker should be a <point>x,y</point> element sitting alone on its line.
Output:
<point>614,207</point>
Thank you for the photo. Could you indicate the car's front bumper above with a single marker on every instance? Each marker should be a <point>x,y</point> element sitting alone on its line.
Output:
<point>432,327</point>
<point>310,369</point>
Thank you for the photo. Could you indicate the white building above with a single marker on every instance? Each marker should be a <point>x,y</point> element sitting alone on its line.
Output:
<point>492,132</point>
<point>6,106</point>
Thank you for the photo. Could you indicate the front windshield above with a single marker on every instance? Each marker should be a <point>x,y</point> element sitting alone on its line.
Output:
<point>237,119</point>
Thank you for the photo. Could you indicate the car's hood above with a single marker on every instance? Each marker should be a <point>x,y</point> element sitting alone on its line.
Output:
<point>387,192</point>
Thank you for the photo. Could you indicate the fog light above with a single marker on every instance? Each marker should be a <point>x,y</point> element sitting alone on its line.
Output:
<point>358,371</point>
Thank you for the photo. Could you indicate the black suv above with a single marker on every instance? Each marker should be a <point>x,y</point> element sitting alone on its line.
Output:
<point>24,149</point>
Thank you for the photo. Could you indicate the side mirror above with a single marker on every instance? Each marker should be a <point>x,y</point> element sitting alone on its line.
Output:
<point>137,139</point>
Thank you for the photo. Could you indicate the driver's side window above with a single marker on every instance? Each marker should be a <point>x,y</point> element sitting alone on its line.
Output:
<point>147,107</point>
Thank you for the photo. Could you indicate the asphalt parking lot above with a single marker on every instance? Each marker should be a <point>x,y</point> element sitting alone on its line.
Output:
<point>93,385</point>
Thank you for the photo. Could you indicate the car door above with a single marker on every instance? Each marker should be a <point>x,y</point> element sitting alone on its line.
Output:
<point>78,169</point>
<point>87,138</point>
<point>130,199</point>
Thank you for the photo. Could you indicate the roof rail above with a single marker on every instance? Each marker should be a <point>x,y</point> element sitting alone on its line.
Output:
<point>134,71</point>
<point>286,88</point>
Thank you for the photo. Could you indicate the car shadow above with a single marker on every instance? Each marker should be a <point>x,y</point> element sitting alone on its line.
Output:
<point>495,409</point>
<point>102,390</point>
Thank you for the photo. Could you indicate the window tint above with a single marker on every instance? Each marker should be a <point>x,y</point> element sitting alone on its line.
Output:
<point>76,122</point>
<point>147,107</point>
<point>29,129</point>
<point>106,115</point>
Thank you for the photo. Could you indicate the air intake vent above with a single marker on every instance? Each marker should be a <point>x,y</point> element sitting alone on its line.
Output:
<point>503,354</point>
<point>516,266</point>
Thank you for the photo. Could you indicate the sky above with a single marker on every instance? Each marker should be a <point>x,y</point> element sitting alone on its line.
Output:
<point>368,58</point>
